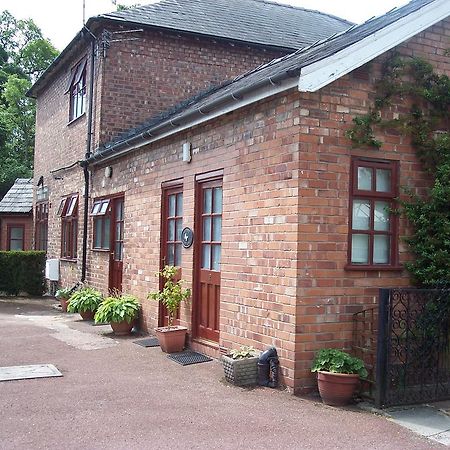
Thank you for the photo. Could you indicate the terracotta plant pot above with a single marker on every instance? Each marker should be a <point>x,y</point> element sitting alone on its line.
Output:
<point>171,339</point>
<point>122,328</point>
<point>337,389</point>
<point>64,302</point>
<point>87,315</point>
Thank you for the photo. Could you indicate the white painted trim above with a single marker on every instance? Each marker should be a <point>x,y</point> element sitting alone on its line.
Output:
<point>253,97</point>
<point>327,70</point>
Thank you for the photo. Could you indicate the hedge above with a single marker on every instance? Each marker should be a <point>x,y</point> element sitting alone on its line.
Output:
<point>22,272</point>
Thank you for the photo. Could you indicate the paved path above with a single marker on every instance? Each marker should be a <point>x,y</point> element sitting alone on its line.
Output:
<point>118,395</point>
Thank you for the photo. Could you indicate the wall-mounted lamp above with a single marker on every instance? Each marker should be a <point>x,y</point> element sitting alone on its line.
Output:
<point>108,172</point>
<point>187,154</point>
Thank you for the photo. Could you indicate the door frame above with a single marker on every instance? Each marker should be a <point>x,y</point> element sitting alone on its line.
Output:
<point>112,235</point>
<point>197,257</point>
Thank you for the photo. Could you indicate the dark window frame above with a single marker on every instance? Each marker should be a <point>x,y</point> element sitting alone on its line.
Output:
<point>101,214</point>
<point>371,196</point>
<point>169,190</point>
<point>68,210</point>
<point>9,228</point>
<point>41,226</point>
<point>77,91</point>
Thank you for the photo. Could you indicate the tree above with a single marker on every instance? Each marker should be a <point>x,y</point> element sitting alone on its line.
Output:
<point>24,55</point>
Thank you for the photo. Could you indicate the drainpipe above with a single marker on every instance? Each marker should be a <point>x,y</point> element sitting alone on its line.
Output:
<point>85,163</point>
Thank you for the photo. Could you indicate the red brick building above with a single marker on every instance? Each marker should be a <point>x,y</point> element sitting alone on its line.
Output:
<point>291,230</point>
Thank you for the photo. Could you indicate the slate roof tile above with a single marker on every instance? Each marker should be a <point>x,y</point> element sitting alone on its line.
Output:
<point>19,199</point>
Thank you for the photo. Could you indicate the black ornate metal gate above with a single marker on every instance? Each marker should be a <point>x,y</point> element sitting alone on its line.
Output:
<point>413,351</point>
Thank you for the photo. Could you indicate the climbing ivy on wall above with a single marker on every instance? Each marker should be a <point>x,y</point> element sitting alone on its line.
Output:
<point>414,82</point>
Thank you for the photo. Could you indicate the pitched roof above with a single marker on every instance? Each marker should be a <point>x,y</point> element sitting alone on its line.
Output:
<point>283,73</point>
<point>19,199</point>
<point>256,21</point>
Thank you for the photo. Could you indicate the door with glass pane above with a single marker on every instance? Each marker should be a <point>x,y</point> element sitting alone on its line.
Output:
<point>116,246</point>
<point>208,255</point>
<point>171,226</point>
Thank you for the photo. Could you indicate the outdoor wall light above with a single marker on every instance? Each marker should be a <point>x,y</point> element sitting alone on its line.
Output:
<point>187,154</point>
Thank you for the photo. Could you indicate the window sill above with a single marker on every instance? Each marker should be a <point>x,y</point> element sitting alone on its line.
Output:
<point>76,119</point>
<point>72,260</point>
<point>361,268</point>
<point>101,250</point>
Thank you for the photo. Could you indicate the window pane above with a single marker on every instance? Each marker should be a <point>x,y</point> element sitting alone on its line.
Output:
<point>61,206</point>
<point>73,250</point>
<point>206,228</point>
<point>383,182</point>
<point>172,199</point>
<point>179,205</point>
<point>207,201</point>
<point>107,231</point>
<point>16,244</point>
<point>360,248</point>
<point>178,254</point>
<point>179,229</point>
<point>119,231</point>
<point>17,233</point>
<point>96,208</point>
<point>98,233</point>
<point>104,207</point>
<point>170,254</point>
<point>364,179</point>
<point>381,216</point>
<point>171,230</point>
<point>206,256</point>
<point>217,200</point>
<point>119,211</point>
<point>216,250</point>
<point>361,215</point>
<point>381,249</point>
<point>72,205</point>
<point>217,228</point>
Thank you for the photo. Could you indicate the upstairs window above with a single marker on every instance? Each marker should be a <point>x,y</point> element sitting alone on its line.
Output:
<point>101,213</point>
<point>68,211</point>
<point>77,90</point>
<point>373,236</point>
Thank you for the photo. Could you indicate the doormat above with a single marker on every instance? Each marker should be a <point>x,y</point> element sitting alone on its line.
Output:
<point>188,357</point>
<point>28,372</point>
<point>149,342</point>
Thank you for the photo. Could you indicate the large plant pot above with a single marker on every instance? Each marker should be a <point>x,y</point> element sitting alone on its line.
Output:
<point>241,372</point>
<point>337,389</point>
<point>87,315</point>
<point>64,302</point>
<point>122,328</point>
<point>171,339</point>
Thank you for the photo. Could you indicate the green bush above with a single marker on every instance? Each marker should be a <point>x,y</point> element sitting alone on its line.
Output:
<point>22,272</point>
<point>84,300</point>
<point>337,361</point>
<point>117,309</point>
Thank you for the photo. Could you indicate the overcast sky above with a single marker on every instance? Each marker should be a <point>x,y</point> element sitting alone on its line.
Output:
<point>60,20</point>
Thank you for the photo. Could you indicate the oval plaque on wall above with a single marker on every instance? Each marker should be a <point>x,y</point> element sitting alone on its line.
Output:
<point>187,237</point>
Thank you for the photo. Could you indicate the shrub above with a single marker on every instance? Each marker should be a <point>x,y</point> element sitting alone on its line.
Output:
<point>243,352</point>
<point>22,272</point>
<point>117,309</point>
<point>84,300</point>
<point>337,361</point>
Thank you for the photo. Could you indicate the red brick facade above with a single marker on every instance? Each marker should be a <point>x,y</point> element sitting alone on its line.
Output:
<point>286,172</point>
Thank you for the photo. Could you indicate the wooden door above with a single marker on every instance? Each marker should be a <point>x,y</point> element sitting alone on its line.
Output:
<point>208,255</point>
<point>116,245</point>
<point>171,227</point>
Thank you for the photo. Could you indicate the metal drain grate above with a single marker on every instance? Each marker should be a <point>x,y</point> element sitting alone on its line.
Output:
<point>149,342</point>
<point>188,357</point>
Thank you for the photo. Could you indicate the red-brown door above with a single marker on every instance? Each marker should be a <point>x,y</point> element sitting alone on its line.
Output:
<point>208,255</point>
<point>116,246</point>
<point>171,226</point>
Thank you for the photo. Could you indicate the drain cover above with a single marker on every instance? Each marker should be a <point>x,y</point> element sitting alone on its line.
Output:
<point>26,372</point>
<point>188,357</point>
<point>149,342</point>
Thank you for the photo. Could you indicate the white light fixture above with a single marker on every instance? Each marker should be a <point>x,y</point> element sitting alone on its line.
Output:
<point>187,154</point>
<point>108,172</point>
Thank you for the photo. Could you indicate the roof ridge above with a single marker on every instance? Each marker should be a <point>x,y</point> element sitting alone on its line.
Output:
<point>286,5</point>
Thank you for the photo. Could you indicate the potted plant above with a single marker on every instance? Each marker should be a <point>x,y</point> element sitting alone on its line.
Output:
<point>338,375</point>
<point>241,366</point>
<point>120,312</point>
<point>85,302</point>
<point>63,296</point>
<point>171,338</point>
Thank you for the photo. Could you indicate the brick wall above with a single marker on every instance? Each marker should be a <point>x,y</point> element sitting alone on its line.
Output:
<point>11,220</point>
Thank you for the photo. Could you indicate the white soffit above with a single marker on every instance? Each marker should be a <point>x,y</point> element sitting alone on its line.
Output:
<point>323,72</point>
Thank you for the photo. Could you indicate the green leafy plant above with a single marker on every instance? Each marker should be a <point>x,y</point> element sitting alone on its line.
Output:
<point>244,351</point>
<point>64,293</point>
<point>172,293</point>
<point>338,361</point>
<point>86,299</point>
<point>117,309</point>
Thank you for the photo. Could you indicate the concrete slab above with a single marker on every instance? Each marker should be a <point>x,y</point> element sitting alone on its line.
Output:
<point>29,372</point>
<point>442,438</point>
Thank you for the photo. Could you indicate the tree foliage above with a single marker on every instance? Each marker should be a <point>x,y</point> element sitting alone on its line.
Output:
<point>24,55</point>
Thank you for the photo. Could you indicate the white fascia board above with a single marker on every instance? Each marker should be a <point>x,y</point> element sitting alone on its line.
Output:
<point>327,70</point>
<point>253,97</point>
